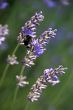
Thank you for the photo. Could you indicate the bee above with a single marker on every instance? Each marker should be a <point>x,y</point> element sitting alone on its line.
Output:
<point>27,41</point>
<point>24,39</point>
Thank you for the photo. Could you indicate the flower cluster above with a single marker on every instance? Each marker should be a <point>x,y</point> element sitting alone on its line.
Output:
<point>12,60</point>
<point>38,47</point>
<point>28,30</point>
<point>21,81</point>
<point>35,46</point>
<point>3,32</point>
<point>49,76</point>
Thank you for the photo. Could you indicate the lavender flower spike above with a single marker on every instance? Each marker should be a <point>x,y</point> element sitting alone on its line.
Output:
<point>28,30</point>
<point>46,35</point>
<point>38,47</point>
<point>37,88</point>
<point>50,76</point>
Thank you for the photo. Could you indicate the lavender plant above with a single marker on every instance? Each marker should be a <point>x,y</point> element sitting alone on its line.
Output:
<point>26,36</point>
<point>35,48</point>
<point>27,31</point>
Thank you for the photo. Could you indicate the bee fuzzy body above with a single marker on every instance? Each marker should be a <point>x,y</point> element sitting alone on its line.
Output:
<point>27,40</point>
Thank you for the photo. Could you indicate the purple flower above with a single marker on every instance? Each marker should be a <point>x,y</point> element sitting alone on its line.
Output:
<point>37,48</point>
<point>29,28</point>
<point>48,77</point>
<point>3,5</point>
<point>51,75</point>
<point>26,31</point>
<point>40,43</point>
<point>46,71</point>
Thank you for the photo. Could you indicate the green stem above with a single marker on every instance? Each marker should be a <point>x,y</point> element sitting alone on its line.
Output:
<point>26,107</point>
<point>4,74</point>
<point>7,66</point>
<point>15,49</point>
<point>17,88</point>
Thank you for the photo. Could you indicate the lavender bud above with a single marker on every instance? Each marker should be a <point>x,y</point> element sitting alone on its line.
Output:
<point>12,60</point>
<point>21,81</point>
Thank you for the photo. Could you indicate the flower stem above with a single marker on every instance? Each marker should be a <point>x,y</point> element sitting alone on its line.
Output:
<point>27,105</point>
<point>7,66</point>
<point>17,88</point>
<point>4,74</point>
<point>15,49</point>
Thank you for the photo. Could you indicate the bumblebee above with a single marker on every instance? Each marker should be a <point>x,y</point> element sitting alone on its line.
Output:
<point>24,40</point>
<point>27,40</point>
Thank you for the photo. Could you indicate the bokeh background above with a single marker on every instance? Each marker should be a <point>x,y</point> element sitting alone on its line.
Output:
<point>58,14</point>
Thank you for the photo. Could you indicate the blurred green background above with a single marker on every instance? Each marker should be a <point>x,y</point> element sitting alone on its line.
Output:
<point>59,52</point>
